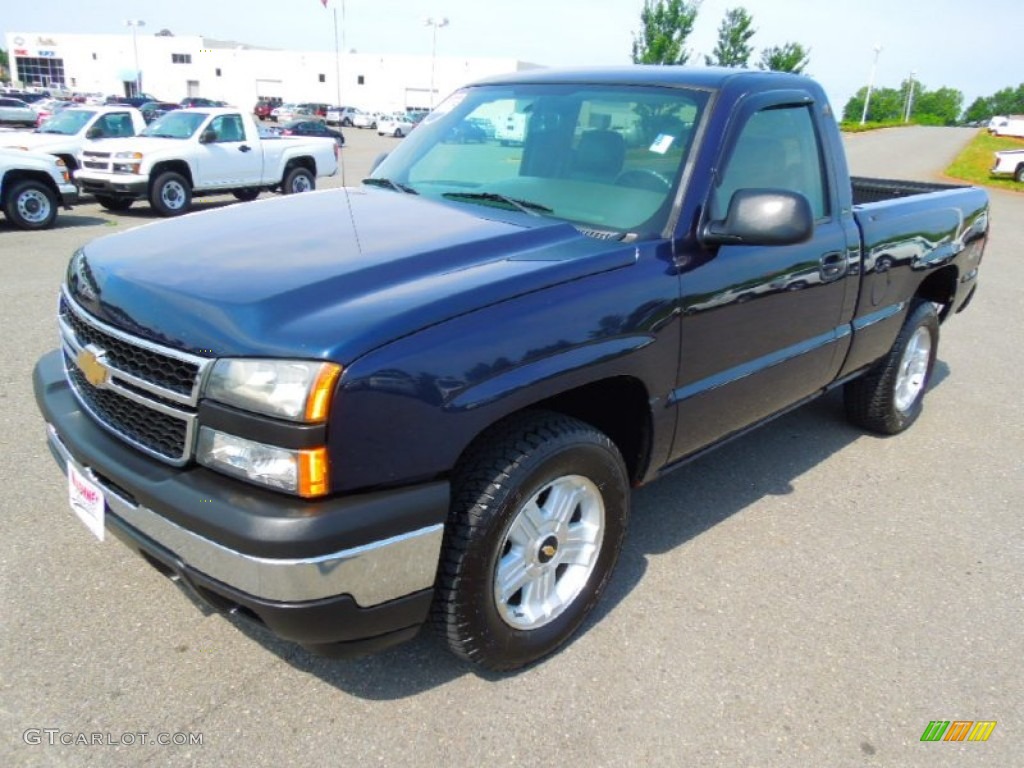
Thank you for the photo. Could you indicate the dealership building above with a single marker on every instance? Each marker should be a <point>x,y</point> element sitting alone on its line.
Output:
<point>172,67</point>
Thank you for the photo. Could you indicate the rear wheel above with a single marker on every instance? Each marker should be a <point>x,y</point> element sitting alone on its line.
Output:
<point>171,194</point>
<point>114,203</point>
<point>31,205</point>
<point>889,397</point>
<point>539,511</point>
<point>1019,175</point>
<point>298,180</point>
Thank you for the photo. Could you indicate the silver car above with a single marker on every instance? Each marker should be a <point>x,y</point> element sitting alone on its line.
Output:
<point>16,111</point>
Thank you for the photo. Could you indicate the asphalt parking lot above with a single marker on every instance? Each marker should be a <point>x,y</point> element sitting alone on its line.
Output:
<point>805,596</point>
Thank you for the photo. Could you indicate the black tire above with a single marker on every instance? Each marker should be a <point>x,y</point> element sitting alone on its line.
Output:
<point>298,180</point>
<point>1019,175</point>
<point>510,470</point>
<point>890,396</point>
<point>398,133</point>
<point>114,203</point>
<point>170,194</point>
<point>245,195</point>
<point>31,205</point>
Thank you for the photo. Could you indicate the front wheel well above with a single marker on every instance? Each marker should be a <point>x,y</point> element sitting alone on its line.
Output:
<point>178,166</point>
<point>13,177</point>
<point>619,407</point>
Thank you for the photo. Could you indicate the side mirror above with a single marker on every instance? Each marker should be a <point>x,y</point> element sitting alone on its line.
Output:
<point>762,217</point>
<point>208,136</point>
<point>94,132</point>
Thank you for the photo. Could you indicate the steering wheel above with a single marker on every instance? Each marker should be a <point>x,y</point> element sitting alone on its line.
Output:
<point>643,178</point>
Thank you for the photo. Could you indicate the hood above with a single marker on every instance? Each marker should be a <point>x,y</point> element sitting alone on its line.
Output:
<point>30,159</point>
<point>143,144</point>
<point>324,275</point>
<point>38,142</point>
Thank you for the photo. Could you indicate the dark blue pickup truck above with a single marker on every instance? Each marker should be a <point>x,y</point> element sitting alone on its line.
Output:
<point>343,415</point>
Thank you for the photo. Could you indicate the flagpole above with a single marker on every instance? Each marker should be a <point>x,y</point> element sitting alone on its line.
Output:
<point>337,55</point>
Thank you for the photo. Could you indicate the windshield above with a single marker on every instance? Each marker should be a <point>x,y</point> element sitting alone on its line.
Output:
<point>68,122</point>
<point>175,125</point>
<point>602,156</point>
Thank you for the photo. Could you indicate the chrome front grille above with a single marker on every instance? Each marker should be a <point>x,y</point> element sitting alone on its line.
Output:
<point>99,161</point>
<point>146,394</point>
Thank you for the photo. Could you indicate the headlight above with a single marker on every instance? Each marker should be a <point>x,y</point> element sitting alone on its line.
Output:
<point>297,390</point>
<point>127,155</point>
<point>302,472</point>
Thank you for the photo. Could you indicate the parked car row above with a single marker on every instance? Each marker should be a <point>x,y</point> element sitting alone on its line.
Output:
<point>111,153</point>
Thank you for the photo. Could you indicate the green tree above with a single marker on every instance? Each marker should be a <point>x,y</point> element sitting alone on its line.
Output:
<point>886,104</point>
<point>979,111</point>
<point>791,57</point>
<point>666,25</point>
<point>733,48</point>
<point>1008,101</point>
<point>939,107</point>
<point>5,65</point>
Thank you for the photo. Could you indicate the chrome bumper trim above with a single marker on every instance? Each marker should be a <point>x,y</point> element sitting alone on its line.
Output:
<point>371,574</point>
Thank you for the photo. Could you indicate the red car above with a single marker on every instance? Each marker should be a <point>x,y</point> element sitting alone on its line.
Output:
<point>264,107</point>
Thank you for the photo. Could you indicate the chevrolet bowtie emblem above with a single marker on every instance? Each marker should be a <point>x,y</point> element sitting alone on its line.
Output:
<point>90,362</point>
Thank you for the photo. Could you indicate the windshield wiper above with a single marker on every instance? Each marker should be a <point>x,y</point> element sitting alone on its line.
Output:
<point>526,206</point>
<point>390,184</point>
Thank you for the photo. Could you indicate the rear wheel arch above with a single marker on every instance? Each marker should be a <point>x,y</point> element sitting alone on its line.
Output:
<point>940,288</point>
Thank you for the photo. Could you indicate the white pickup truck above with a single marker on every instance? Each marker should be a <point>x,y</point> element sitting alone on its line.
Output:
<point>32,185</point>
<point>202,150</point>
<point>66,133</point>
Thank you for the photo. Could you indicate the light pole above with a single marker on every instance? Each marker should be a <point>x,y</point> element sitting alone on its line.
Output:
<point>135,24</point>
<point>436,24</point>
<point>910,97</point>
<point>871,84</point>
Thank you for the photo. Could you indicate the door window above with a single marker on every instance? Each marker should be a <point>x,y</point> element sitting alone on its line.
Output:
<point>778,148</point>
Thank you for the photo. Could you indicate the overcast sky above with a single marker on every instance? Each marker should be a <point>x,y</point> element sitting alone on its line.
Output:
<point>965,45</point>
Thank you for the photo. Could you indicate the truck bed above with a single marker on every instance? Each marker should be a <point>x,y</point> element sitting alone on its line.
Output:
<point>869,190</point>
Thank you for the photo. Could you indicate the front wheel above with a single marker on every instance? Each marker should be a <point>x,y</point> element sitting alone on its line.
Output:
<point>889,397</point>
<point>298,180</point>
<point>31,205</point>
<point>171,194</point>
<point>539,512</point>
<point>1019,175</point>
<point>398,133</point>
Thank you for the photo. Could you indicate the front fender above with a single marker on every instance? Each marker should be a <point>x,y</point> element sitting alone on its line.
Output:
<point>406,411</point>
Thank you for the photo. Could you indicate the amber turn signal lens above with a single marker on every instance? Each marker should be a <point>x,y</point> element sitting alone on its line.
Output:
<point>319,401</point>
<point>314,477</point>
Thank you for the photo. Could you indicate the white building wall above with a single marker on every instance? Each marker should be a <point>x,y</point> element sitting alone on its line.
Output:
<point>104,63</point>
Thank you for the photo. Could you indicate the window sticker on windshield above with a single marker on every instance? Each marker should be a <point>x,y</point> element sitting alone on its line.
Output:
<point>662,143</point>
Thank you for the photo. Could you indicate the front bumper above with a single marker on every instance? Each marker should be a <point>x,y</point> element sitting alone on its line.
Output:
<point>358,570</point>
<point>68,195</point>
<point>119,185</point>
